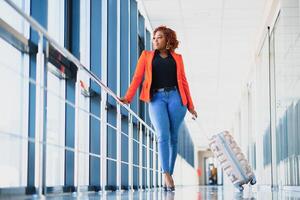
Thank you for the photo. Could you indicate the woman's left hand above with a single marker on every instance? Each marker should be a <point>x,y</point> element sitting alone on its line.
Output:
<point>194,113</point>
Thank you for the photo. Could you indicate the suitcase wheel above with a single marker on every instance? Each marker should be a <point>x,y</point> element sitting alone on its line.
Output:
<point>253,181</point>
<point>241,188</point>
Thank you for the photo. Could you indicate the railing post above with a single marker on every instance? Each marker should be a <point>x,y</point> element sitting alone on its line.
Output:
<point>39,115</point>
<point>148,158</point>
<point>130,152</point>
<point>103,138</point>
<point>119,146</point>
<point>160,178</point>
<point>154,163</point>
<point>76,150</point>
<point>140,155</point>
<point>119,124</point>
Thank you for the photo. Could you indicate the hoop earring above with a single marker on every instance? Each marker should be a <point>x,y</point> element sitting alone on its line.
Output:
<point>168,46</point>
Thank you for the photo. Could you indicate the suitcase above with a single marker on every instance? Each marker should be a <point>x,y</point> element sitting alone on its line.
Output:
<point>232,160</point>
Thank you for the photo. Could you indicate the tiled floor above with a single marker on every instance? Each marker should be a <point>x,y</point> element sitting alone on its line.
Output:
<point>181,193</point>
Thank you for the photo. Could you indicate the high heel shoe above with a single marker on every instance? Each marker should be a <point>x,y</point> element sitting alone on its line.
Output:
<point>168,188</point>
<point>165,188</point>
<point>172,187</point>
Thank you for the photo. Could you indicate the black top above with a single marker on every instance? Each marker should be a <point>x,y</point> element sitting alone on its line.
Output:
<point>163,71</point>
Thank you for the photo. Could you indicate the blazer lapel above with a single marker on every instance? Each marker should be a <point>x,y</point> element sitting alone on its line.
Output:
<point>150,58</point>
<point>149,64</point>
<point>177,62</point>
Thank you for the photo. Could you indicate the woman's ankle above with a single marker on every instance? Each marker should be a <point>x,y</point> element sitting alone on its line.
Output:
<point>168,179</point>
<point>172,181</point>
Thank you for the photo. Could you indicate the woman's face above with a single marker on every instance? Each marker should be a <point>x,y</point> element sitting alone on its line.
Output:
<point>159,41</point>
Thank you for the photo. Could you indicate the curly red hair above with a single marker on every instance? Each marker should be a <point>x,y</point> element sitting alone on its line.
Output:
<point>170,35</point>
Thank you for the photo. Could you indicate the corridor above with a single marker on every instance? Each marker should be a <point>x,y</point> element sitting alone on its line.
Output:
<point>84,86</point>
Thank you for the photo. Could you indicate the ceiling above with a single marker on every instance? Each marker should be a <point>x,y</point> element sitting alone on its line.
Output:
<point>216,41</point>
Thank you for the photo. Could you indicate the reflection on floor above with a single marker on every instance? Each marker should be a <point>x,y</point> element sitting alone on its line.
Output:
<point>181,193</point>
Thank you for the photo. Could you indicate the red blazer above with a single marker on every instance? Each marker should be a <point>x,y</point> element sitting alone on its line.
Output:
<point>144,67</point>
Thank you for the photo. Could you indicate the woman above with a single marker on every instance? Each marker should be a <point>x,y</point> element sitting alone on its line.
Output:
<point>166,90</point>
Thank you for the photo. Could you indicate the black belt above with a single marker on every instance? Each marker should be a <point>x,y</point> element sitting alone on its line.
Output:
<point>165,89</point>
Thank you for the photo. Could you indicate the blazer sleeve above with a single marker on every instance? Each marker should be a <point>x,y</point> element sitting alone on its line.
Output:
<point>186,88</point>
<point>137,77</point>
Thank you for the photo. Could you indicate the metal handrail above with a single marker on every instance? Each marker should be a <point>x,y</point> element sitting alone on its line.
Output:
<point>36,26</point>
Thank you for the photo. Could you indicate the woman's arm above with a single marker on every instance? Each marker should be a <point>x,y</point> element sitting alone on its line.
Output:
<point>186,88</point>
<point>136,80</point>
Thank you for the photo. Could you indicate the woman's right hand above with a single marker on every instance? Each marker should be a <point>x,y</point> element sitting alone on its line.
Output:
<point>124,100</point>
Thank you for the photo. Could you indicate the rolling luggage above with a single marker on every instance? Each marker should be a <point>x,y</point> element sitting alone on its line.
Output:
<point>232,160</point>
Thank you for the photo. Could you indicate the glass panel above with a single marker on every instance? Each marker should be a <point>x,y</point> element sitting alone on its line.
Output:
<point>124,177</point>
<point>55,131</point>
<point>262,114</point>
<point>14,115</point>
<point>135,177</point>
<point>124,147</point>
<point>111,174</point>
<point>8,14</point>
<point>55,158</point>
<point>133,48</point>
<point>287,75</point>
<point>84,146</point>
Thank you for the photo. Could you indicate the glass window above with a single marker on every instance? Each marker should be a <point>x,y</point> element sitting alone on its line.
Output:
<point>10,16</point>
<point>285,41</point>
<point>262,114</point>
<point>95,108</point>
<point>14,83</point>
<point>14,115</point>
<point>55,102</point>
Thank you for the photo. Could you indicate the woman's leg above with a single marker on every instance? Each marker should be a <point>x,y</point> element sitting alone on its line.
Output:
<point>158,112</point>
<point>177,113</point>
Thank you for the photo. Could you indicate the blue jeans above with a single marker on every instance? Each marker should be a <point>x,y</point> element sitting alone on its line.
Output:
<point>166,113</point>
